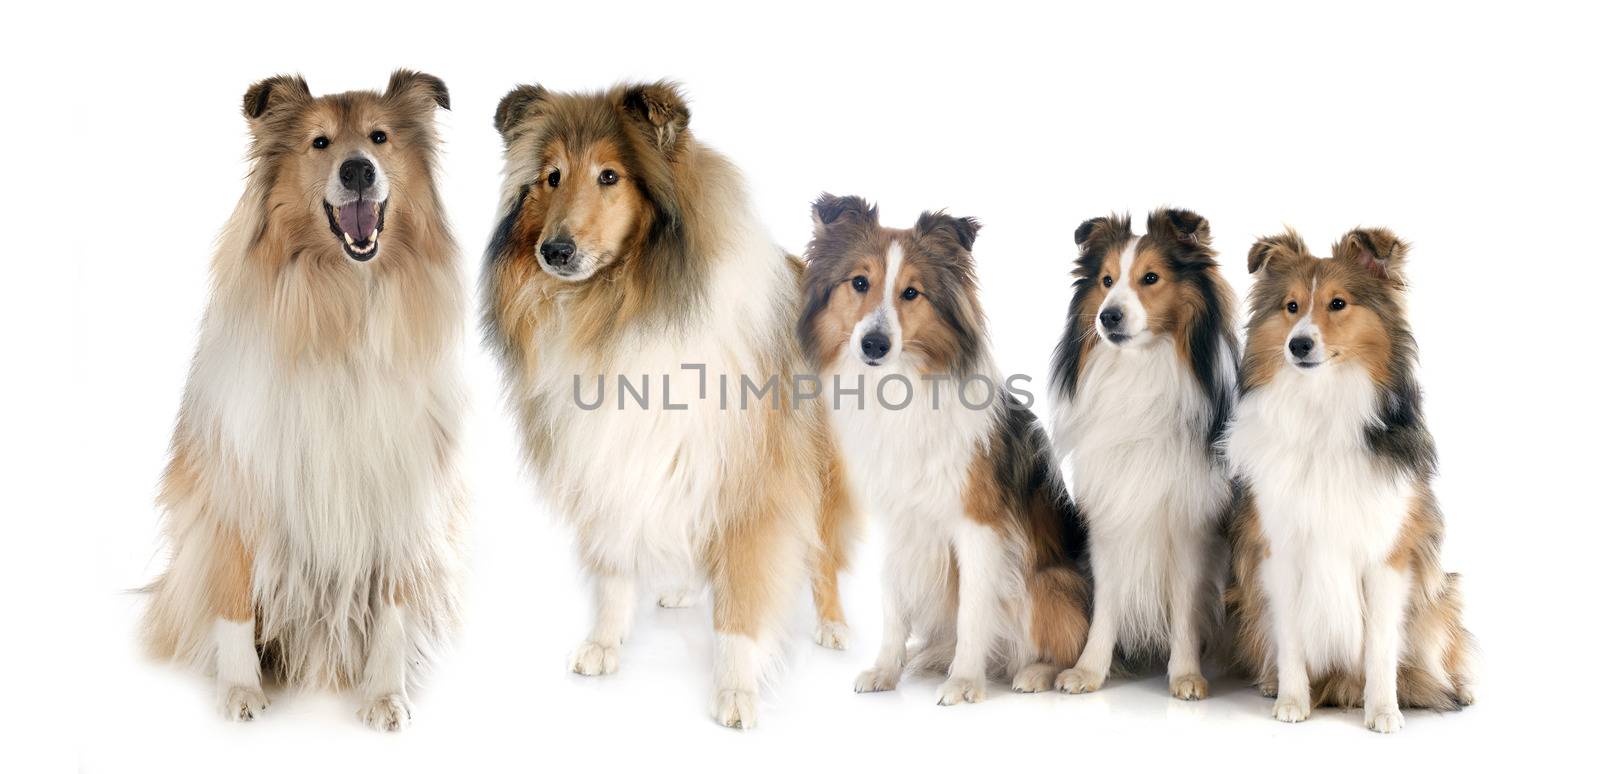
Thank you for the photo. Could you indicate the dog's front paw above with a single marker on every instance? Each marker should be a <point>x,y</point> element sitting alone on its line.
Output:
<point>961,690</point>
<point>877,679</point>
<point>1189,687</point>
<point>386,713</point>
<point>1385,720</point>
<point>1290,709</point>
<point>1268,688</point>
<point>832,634</point>
<point>241,702</point>
<point>1034,678</point>
<point>1077,680</point>
<point>735,709</point>
<point>592,658</point>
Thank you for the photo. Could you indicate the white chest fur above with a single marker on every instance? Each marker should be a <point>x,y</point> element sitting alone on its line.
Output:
<point>1327,509</point>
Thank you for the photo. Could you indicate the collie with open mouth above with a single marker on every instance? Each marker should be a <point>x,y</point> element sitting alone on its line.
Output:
<point>1337,595</point>
<point>312,504</point>
<point>1144,381</point>
<point>625,247</point>
<point>986,566</point>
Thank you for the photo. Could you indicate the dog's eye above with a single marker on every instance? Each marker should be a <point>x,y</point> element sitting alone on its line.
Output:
<point>1150,278</point>
<point>608,177</point>
<point>1293,307</point>
<point>1336,304</point>
<point>1106,280</point>
<point>859,283</point>
<point>909,294</point>
<point>379,137</point>
<point>554,179</point>
<point>319,143</point>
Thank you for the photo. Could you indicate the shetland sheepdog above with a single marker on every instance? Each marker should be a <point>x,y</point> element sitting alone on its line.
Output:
<point>626,249</point>
<point>1337,593</point>
<point>1144,380</point>
<point>986,554</point>
<point>312,503</point>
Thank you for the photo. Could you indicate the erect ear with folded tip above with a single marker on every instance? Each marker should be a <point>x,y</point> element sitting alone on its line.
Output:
<point>661,109</point>
<point>1276,252</point>
<point>829,210</point>
<point>1184,228</point>
<point>1376,250</point>
<point>1097,234</point>
<point>406,83</point>
<point>517,106</point>
<point>272,94</point>
<point>963,230</point>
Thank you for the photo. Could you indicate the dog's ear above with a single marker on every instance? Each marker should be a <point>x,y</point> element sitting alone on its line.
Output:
<point>829,210</point>
<point>1096,234</point>
<point>661,109</point>
<point>1183,229</point>
<point>274,93</point>
<point>1376,250</point>
<point>963,230</point>
<point>517,106</point>
<point>1276,252</point>
<point>404,83</point>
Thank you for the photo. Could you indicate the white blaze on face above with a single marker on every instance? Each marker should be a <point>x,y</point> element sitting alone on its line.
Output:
<point>1306,327</point>
<point>884,319</point>
<point>1135,324</point>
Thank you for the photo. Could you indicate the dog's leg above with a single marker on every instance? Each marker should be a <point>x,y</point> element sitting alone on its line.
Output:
<point>227,574</point>
<point>383,684</point>
<point>682,590</point>
<point>1095,663</point>
<point>1294,685</point>
<point>1189,583</point>
<point>885,672</point>
<point>754,566</point>
<point>613,617</point>
<point>980,561</point>
<point>1386,590</point>
<point>836,528</point>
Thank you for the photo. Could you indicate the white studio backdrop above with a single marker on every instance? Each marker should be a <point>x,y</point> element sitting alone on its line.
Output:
<point>1468,130</point>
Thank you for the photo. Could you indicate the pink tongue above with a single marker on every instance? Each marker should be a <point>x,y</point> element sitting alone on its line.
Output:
<point>358,219</point>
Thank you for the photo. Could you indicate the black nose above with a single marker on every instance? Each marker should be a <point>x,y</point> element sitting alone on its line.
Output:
<point>1300,346</point>
<point>357,175</point>
<point>557,251</point>
<point>1111,318</point>
<point>874,345</point>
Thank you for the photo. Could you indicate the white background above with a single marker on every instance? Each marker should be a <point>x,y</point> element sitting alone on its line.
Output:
<point>1469,131</point>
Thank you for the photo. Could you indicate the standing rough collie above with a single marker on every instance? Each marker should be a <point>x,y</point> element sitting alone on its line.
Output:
<point>1337,594</point>
<point>985,547</point>
<point>1144,383</point>
<point>628,250</point>
<point>312,503</point>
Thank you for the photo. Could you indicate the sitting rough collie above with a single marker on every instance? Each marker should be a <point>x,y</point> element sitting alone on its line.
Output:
<point>1144,382</point>
<point>1337,593</point>
<point>311,501</point>
<point>627,250</point>
<point>985,550</point>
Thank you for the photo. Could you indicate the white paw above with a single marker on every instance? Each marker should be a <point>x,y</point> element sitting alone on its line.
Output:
<point>832,634</point>
<point>1465,695</point>
<point>877,679</point>
<point>735,709</point>
<point>1034,678</point>
<point>386,713</point>
<point>1291,710</point>
<point>1077,680</point>
<point>1189,687</point>
<point>961,690</point>
<point>241,702</point>
<point>676,598</point>
<point>1385,721</point>
<point>592,658</point>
